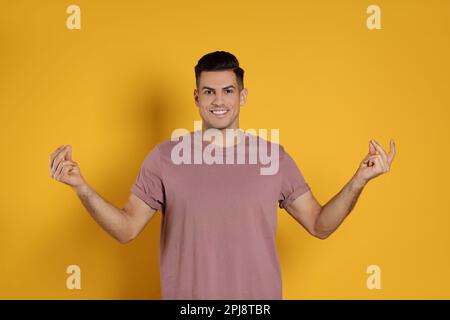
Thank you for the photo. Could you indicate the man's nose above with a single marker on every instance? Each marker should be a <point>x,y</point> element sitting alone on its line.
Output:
<point>218,99</point>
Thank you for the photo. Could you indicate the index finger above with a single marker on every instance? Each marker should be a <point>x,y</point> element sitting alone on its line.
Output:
<point>392,151</point>
<point>54,154</point>
<point>381,151</point>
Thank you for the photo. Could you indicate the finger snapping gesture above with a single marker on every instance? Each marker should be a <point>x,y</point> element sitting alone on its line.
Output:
<point>375,164</point>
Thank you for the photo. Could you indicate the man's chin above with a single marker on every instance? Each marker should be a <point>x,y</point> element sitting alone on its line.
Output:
<point>218,126</point>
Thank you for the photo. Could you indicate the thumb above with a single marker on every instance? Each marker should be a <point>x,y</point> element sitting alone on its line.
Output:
<point>68,155</point>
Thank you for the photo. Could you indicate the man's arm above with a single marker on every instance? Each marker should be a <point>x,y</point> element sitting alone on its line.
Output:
<point>320,221</point>
<point>123,224</point>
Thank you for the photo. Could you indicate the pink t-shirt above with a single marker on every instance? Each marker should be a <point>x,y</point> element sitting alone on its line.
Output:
<point>219,221</point>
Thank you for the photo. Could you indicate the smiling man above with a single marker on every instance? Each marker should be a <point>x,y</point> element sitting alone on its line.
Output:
<point>220,91</point>
<point>218,228</point>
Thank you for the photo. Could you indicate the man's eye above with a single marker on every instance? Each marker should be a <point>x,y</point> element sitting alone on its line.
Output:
<point>207,91</point>
<point>229,91</point>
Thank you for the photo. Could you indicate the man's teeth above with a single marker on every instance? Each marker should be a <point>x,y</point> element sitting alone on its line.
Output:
<point>219,112</point>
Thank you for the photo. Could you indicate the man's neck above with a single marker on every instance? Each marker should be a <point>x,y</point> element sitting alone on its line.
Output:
<point>231,138</point>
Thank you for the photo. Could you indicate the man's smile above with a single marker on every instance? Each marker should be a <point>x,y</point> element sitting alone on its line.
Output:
<point>219,113</point>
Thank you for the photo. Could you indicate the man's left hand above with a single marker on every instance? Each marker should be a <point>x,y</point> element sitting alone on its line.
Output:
<point>375,164</point>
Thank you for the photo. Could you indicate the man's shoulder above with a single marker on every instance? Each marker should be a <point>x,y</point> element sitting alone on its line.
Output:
<point>165,146</point>
<point>263,141</point>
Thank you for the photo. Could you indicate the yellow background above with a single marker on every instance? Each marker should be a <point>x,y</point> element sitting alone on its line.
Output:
<point>124,81</point>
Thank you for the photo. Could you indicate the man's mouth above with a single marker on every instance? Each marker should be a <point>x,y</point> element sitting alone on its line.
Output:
<point>220,113</point>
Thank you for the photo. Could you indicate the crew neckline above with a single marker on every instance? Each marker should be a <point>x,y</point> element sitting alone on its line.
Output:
<point>206,142</point>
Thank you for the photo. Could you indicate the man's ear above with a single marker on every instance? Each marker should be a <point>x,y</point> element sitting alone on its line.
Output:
<point>243,96</point>
<point>196,97</point>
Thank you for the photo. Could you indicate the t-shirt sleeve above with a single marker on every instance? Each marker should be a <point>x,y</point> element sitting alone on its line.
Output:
<point>293,183</point>
<point>148,185</point>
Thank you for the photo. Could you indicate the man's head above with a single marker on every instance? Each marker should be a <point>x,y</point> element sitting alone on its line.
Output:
<point>220,91</point>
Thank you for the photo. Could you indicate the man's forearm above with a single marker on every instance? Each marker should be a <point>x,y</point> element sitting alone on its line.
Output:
<point>112,219</point>
<point>336,210</point>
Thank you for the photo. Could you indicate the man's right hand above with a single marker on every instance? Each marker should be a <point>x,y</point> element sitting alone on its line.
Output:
<point>123,224</point>
<point>64,169</point>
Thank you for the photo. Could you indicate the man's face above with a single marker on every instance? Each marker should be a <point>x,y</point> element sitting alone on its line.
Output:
<point>219,100</point>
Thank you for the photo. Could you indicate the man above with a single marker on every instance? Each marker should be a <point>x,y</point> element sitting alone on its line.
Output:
<point>219,220</point>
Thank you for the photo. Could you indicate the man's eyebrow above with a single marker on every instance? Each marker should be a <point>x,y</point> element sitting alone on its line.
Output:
<point>227,87</point>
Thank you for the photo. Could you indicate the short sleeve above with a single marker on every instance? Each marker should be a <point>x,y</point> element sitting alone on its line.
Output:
<point>293,183</point>
<point>148,185</point>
